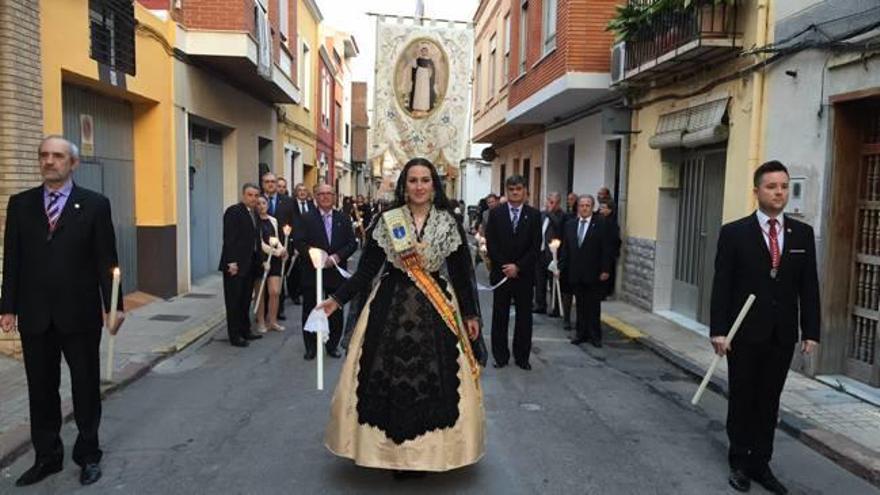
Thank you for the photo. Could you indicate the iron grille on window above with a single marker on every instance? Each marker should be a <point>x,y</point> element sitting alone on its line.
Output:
<point>111,24</point>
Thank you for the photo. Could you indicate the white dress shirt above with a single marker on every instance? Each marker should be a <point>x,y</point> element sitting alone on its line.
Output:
<point>764,222</point>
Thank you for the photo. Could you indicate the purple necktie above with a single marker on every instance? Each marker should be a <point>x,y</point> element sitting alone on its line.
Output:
<point>328,226</point>
<point>53,209</point>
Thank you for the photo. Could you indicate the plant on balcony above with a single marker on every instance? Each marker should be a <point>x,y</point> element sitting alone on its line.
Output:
<point>634,16</point>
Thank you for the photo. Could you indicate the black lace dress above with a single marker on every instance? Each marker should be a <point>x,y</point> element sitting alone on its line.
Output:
<point>405,386</point>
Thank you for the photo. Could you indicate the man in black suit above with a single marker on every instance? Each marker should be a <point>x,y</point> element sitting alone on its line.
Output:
<point>551,228</point>
<point>282,208</point>
<point>330,230</point>
<point>585,262</point>
<point>60,251</point>
<point>513,239</point>
<point>238,262</point>
<point>772,256</point>
<point>301,207</point>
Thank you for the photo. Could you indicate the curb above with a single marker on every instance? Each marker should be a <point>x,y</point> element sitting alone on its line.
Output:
<point>850,455</point>
<point>17,441</point>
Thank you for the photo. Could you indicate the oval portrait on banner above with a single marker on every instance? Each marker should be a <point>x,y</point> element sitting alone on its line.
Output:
<point>421,77</point>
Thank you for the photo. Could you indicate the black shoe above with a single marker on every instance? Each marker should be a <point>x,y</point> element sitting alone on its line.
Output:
<point>334,354</point>
<point>90,474</point>
<point>239,343</point>
<point>567,326</point>
<point>297,301</point>
<point>281,317</point>
<point>539,311</point>
<point>596,343</point>
<point>309,355</point>
<point>407,475</point>
<point>739,480</point>
<point>578,341</point>
<point>38,472</point>
<point>252,336</point>
<point>554,314</point>
<point>766,479</point>
<point>524,365</point>
<point>498,365</point>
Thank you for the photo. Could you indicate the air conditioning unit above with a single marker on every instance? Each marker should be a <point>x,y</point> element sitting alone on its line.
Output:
<point>618,61</point>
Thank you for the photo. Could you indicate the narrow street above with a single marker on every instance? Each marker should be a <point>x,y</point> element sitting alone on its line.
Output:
<point>616,420</point>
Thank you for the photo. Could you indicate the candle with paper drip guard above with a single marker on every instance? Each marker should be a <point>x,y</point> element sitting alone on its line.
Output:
<point>319,258</point>
<point>111,324</point>
<point>287,230</point>
<point>273,243</point>
<point>556,292</point>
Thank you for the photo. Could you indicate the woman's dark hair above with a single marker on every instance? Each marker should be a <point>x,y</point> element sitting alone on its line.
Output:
<point>441,202</point>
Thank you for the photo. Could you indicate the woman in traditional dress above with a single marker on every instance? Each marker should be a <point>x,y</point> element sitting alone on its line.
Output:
<point>409,398</point>
<point>271,293</point>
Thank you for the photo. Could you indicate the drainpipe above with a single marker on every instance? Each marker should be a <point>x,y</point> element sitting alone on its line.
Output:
<point>756,131</point>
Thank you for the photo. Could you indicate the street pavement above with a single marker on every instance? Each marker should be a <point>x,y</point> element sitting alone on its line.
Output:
<point>616,420</point>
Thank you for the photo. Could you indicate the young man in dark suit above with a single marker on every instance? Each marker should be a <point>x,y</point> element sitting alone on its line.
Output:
<point>60,251</point>
<point>302,206</point>
<point>513,239</point>
<point>585,261</point>
<point>281,207</point>
<point>772,256</point>
<point>238,263</point>
<point>330,230</point>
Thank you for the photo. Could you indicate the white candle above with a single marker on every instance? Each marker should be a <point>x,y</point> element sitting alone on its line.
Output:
<point>318,257</point>
<point>286,229</point>
<point>557,290</point>
<point>111,323</point>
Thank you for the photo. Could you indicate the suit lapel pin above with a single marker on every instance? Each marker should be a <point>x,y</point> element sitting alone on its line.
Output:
<point>788,230</point>
<point>76,205</point>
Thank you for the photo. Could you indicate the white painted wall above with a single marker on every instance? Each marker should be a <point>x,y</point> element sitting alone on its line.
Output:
<point>590,150</point>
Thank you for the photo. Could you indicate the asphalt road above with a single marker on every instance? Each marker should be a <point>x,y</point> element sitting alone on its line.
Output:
<point>220,419</point>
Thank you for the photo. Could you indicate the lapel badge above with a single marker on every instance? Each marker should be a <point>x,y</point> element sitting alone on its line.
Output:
<point>788,231</point>
<point>76,205</point>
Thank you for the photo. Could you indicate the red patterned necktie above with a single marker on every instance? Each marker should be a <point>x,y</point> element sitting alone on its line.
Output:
<point>774,243</point>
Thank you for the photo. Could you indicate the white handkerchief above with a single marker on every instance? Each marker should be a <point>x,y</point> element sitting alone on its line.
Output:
<point>318,323</point>
<point>482,287</point>
<point>342,271</point>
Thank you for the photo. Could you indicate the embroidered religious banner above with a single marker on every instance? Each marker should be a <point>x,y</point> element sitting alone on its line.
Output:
<point>422,91</point>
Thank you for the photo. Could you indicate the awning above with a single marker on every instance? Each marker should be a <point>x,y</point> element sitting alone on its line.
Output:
<point>692,127</point>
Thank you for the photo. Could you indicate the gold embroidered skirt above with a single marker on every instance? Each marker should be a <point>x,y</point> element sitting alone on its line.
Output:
<point>437,450</point>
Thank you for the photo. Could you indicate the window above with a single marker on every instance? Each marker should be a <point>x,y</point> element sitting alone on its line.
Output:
<point>325,97</point>
<point>283,18</point>
<point>478,100</point>
<point>306,75</point>
<point>503,178</point>
<point>337,117</point>
<point>493,56</point>
<point>111,32</point>
<point>347,134</point>
<point>523,35</point>
<point>506,69</point>
<point>549,25</point>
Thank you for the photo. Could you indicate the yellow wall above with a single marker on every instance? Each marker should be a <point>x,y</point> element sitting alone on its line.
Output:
<point>65,56</point>
<point>644,162</point>
<point>300,131</point>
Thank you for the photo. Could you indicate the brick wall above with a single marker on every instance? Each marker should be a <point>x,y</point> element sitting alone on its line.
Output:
<point>156,4</point>
<point>221,15</point>
<point>21,120</point>
<point>582,44</point>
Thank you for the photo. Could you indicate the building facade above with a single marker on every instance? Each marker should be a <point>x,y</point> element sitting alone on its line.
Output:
<point>543,92</point>
<point>230,76</point>
<point>360,124</point>
<point>828,104</point>
<point>297,130</point>
<point>697,111</point>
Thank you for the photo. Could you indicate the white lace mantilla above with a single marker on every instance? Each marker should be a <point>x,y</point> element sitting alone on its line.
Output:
<point>439,239</point>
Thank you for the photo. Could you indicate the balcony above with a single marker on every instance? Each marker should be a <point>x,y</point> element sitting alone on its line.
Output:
<point>676,39</point>
<point>244,61</point>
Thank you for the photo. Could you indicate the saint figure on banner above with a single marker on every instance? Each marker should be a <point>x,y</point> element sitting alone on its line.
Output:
<point>423,96</point>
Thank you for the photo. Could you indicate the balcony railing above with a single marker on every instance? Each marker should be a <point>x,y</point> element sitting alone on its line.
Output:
<point>681,38</point>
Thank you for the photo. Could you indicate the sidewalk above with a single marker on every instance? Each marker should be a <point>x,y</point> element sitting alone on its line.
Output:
<point>150,334</point>
<point>838,425</point>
